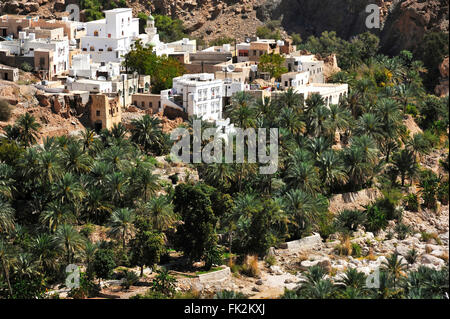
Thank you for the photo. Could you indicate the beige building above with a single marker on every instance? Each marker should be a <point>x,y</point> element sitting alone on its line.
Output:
<point>260,47</point>
<point>13,24</point>
<point>104,111</point>
<point>9,74</point>
<point>147,101</point>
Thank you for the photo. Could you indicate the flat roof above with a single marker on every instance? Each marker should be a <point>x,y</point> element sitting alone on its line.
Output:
<point>117,10</point>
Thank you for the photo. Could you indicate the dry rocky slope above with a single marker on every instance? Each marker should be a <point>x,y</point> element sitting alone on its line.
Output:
<point>405,22</point>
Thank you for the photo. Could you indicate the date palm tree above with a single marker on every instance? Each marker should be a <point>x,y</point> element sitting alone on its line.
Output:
<point>43,248</point>
<point>304,208</point>
<point>147,133</point>
<point>160,211</point>
<point>67,190</point>
<point>6,218</point>
<point>405,164</point>
<point>69,241</point>
<point>75,160</point>
<point>55,214</point>
<point>395,267</point>
<point>28,129</point>
<point>121,224</point>
<point>6,181</point>
<point>303,176</point>
<point>369,124</point>
<point>332,169</point>
<point>117,185</point>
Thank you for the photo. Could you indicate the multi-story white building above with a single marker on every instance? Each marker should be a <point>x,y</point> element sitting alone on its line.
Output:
<point>110,38</point>
<point>294,79</point>
<point>196,94</point>
<point>306,63</point>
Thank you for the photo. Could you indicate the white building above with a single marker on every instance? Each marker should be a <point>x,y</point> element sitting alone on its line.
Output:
<point>196,94</point>
<point>92,86</point>
<point>27,45</point>
<point>294,79</point>
<point>243,50</point>
<point>82,66</point>
<point>110,38</point>
<point>306,63</point>
<point>331,93</point>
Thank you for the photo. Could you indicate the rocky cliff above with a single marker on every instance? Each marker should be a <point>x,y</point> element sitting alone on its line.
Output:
<point>404,22</point>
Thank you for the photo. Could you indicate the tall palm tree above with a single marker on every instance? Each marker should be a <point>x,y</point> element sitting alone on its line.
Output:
<point>67,190</point>
<point>303,176</point>
<point>44,250</point>
<point>55,214</point>
<point>220,175</point>
<point>121,224</point>
<point>6,218</point>
<point>28,129</point>
<point>147,133</point>
<point>369,124</point>
<point>49,166</point>
<point>97,205</point>
<point>117,185</point>
<point>75,160</point>
<point>419,145</point>
<point>405,164</point>
<point>68,241</point>
<point>160,211</point>
<point>6,181</point>
<point>7,259</point>
<point>242,111</point>
<point>395,266</point>
<point>305,209</point>
<point>332,169</point>
<point>339,119</point>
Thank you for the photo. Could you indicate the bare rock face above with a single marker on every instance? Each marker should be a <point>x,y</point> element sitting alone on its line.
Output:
<point>442,89</point>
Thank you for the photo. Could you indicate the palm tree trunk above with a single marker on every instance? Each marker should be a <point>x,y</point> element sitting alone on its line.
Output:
<point>6,273</point>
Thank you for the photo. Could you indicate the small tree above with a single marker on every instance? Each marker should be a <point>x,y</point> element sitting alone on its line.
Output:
<point>147,248</point>
<point>5,111</point>
<point>273,64</point>
<point>104,264</point>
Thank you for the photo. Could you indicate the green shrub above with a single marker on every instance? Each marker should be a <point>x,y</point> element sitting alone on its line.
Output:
<point>402,231</point>
<point>412,110</point>
<point>104,264</point>
<point>87,288</point>
<point>412,202</point>
<point>270,260</point>
<point>442,192</point>
<point>5,111</point>
<point>356,250</point>
<point>350,220</point>
<point>229,294</point>
<point>26,67</point>
<point>375,218</point>
<point>129,279</point>
<point>412,256</point>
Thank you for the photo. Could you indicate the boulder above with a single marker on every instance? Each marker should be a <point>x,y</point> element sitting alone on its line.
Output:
<point>430,259</point>
<point>309,242</point>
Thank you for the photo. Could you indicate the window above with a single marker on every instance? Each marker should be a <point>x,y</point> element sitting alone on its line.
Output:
<point>109,35</point>
<point>143,104</point>
<point>98,113</point>
<point>92,48</point>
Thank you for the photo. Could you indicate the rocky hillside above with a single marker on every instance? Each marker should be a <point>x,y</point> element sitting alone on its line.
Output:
<point>404,21</point>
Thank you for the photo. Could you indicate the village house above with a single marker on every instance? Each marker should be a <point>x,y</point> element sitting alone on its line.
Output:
<point>294,79</point>
<point>104,111</point>
<point>147,101</point>
<point>11,25</point>
<point>309,63</point>
<point>9,74</point>
<point>48,57</point>
<point>261,47</point>
<point>110,38</point>
<point>195,94</point>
